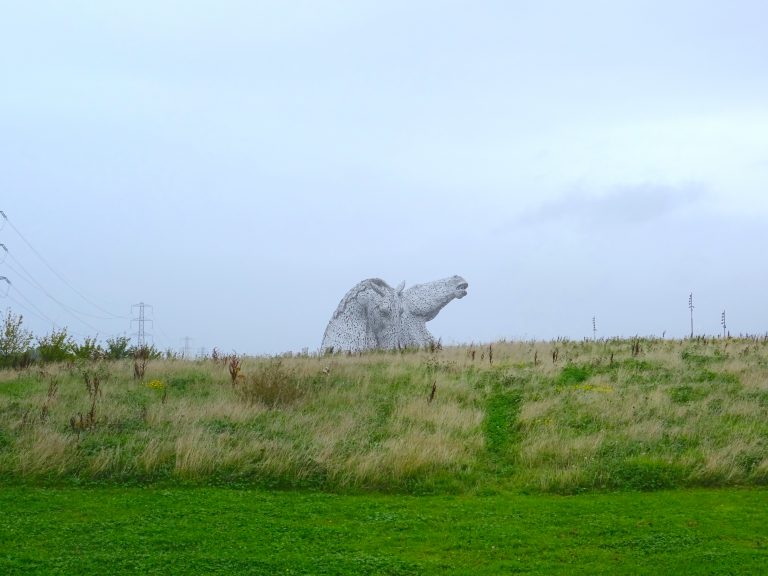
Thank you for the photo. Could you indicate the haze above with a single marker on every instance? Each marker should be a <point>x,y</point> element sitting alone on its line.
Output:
<point>240,165</point>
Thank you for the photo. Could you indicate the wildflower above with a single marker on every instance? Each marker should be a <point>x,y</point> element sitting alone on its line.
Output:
<point>156,384</point>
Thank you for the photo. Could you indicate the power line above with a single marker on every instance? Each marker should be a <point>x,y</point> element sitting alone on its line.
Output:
<point>34,310</point>
<point>7,294</point>
<point>21,271</point>
<point>37,312</point>
<point>57,274</point>
<point>27,277</point>
<point>163,334</point>
<point>28,301</point>
<point>31,309</point>
<point>30,280</point>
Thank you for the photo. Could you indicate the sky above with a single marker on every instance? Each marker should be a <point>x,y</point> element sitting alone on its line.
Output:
<point>240,165</point>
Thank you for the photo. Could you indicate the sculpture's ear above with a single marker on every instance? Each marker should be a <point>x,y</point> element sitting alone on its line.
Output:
<point>377,288</point>
<point>400,287</point>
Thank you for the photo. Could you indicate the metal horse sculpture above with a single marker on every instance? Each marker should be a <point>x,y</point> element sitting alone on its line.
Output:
<point>373,315</point>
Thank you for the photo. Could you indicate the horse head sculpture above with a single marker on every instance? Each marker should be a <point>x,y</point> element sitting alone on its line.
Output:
<point>373,315</point>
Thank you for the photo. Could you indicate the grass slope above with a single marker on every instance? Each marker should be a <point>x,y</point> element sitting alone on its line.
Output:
<point>224,531</point>
<point>562,417</point>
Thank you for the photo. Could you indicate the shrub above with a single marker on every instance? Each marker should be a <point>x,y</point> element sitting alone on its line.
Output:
<point>90,349</point>
<point>118,348</point>
<point>271,384</point>
<point>14,341</point>
<point>57,346</point>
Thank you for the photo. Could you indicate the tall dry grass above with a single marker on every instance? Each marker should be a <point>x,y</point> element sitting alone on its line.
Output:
<point>639,414</point>
<point>300,421</point>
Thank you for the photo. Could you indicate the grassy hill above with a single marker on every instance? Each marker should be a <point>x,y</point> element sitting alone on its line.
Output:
<point>560,417</point>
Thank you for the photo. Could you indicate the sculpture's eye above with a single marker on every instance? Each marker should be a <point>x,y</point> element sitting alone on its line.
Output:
<point>384,309</point>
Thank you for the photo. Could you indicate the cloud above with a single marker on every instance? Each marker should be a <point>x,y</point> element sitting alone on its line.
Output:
<point>618,206</point>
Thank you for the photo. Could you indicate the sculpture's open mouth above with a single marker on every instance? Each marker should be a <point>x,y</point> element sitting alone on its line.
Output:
<point>461,290</point>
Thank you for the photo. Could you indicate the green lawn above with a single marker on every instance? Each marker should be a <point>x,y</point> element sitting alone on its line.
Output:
<point>113,530</point>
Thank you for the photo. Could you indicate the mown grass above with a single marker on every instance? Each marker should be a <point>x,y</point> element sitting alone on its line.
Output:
<point>225,531</point>
<point>561,417</point>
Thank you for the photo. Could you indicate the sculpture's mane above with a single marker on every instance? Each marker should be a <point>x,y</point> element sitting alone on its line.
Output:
<point>350,299</point>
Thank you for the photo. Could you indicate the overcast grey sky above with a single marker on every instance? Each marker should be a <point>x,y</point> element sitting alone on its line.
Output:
<point>241,165</point>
